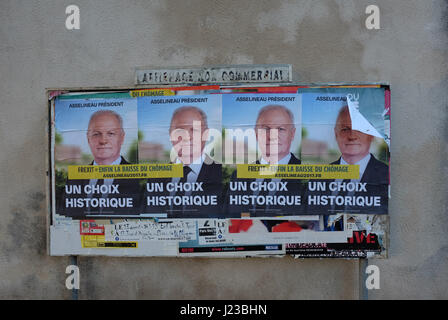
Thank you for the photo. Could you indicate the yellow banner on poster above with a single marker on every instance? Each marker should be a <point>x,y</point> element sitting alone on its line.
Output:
<point>297,171</point>
<point>151,93</point>
<point>98,241</point>
<point>125,171</point>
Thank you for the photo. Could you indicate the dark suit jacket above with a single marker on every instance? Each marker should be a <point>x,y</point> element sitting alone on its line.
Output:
<point>376,177</point>
<point>211,177</point>
<point>127,188</point>
<point>294,187</point>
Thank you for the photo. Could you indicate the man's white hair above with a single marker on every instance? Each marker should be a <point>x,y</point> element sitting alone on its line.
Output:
<point>276,107</point>
<point>190,108</point>
<point>106,112</point>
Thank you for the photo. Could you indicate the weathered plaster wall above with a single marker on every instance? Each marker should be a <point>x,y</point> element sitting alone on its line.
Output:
<point>325,41</point>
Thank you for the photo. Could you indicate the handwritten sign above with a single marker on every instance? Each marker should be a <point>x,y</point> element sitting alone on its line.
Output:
<point>175,230</point>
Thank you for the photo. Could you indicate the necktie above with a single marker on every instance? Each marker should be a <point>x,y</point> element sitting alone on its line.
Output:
<point>186,170</point>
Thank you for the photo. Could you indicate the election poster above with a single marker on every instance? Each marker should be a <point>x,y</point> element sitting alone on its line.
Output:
<point>96,134</point>
<point>267,132</point>
<point>182,130</point>
<point>329,119</point>
<point>212,170</point>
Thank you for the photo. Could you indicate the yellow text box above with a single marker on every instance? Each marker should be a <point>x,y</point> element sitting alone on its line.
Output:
<point>297,171</point>
<point>90,241</point>
<point>151,93</point>
<point>125,171</point>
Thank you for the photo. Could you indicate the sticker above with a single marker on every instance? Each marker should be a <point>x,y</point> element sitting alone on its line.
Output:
<point>213,231</point>
<point>125,171</point>
<point>151,92</point>
<point>97,241</point>
<point>89,227</point>
<point>297,171</point>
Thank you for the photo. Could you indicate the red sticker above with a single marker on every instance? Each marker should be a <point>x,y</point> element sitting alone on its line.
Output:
<point>89,227</point>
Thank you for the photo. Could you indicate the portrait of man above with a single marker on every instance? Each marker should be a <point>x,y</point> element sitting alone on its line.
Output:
<point>105,136</point>
<point>188,133</point>
<point>274,130</point>
<point>354,147</point>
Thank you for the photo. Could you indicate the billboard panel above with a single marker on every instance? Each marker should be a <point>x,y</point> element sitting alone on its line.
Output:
<point>221,171</point>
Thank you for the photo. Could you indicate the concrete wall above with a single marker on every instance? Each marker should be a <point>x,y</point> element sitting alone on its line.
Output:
<point>325,41</point>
